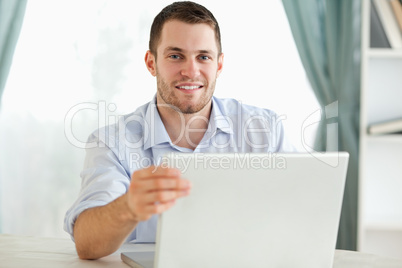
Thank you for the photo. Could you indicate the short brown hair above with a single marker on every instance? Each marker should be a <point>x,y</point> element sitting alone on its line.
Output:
<point>188,12</point>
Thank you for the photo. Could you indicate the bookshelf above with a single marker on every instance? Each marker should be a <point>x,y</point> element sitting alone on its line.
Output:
<point>380,168</point>
<point>383,53</point>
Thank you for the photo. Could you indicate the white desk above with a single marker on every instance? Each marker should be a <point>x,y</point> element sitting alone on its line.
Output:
<point>22,251</point>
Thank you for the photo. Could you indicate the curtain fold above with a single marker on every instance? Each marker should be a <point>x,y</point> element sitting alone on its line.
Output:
<point>327,36</point>
<point>11,17</point>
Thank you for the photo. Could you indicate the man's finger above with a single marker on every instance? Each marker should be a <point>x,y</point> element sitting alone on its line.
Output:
<point>161,184</point>
<point>163,196</point>
<point>158,208</point>
<point>156,171</point>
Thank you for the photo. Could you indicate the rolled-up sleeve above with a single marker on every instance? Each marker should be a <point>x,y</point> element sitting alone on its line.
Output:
<point>103,180</point>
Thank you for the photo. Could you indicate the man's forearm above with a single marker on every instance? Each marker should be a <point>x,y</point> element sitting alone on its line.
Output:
<point>100,231</point>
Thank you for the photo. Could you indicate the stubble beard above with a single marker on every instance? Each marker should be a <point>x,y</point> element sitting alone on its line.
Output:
<point>168,95</point>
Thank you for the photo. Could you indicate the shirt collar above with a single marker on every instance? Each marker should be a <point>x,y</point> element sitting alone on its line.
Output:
<point>219,121</point>
<point>155,132</point>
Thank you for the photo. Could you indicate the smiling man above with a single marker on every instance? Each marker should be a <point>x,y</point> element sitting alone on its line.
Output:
<point>124,186</point>
<point>188,66</point>
<point>186,60</point>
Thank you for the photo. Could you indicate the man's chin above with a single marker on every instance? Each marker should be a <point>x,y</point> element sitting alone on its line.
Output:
<point>192,109</point>
<point>188,109</point>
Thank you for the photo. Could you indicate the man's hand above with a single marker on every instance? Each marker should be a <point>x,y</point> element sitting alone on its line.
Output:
<point>154,190</point>
<point>100,231</point>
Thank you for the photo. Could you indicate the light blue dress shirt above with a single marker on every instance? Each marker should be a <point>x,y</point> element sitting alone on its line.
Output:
<point>140,139</point>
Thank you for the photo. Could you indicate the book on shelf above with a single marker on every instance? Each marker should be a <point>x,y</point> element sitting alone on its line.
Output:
<point>397,9</point>
<point>378,38</point>
<point>387,127</point>
<point>389,22</point>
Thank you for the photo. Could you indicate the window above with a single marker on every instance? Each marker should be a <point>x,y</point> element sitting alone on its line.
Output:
<point>75,52</point>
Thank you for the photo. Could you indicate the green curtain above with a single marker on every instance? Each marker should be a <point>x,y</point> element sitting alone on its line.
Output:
<point>11,17</point>
<point>327,36</point>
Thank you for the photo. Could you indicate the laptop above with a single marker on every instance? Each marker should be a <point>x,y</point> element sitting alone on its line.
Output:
<point>251,210</point>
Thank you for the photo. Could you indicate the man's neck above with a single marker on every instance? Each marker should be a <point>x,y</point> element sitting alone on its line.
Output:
<point>185,130</point>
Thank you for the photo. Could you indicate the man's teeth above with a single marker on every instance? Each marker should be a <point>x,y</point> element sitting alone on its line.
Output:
<point>189,87</point>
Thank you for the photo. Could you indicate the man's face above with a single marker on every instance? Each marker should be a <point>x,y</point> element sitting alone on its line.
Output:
<point>187,66</point>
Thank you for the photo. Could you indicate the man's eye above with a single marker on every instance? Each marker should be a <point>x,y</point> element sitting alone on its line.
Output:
<point>174,57</point>
<point>204,57</point>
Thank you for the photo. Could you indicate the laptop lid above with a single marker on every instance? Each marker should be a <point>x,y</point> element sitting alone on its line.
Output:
<point>254,210</point>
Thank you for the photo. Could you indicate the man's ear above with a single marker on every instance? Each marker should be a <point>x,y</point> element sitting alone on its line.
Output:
<point>220,64</point>
<point>150,62</point>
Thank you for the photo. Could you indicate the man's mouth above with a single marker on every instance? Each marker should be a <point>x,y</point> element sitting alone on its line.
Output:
<point>189,87</point>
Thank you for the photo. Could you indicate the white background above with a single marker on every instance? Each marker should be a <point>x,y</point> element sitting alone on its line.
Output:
<point>74,52</point>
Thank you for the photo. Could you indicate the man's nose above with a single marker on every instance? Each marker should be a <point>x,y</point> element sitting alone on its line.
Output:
<point>190,68</point>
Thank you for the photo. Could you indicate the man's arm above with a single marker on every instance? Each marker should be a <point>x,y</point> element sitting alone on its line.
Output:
<point>100,231</point>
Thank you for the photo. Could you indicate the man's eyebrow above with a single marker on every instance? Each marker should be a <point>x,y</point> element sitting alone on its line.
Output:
<point>173,49</point>
<point>177,49</point>
<point>205,51</point>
